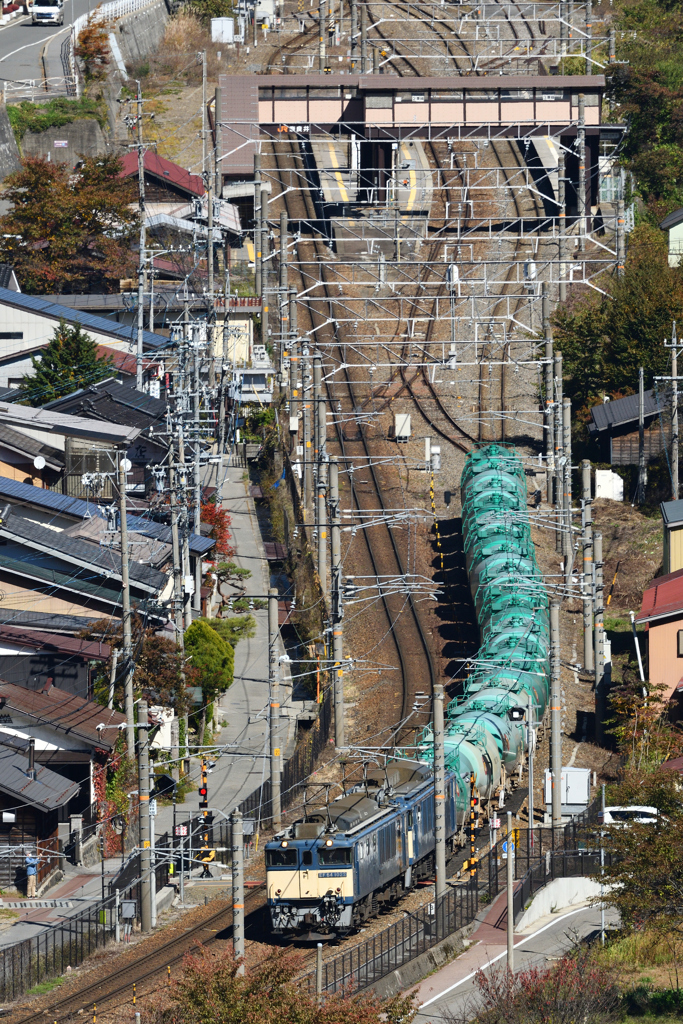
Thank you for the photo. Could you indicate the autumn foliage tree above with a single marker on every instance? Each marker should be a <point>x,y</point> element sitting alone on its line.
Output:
<point>211,991</point>
<point>92,49</point>
<point>576,988</point>
<point>69,232</point>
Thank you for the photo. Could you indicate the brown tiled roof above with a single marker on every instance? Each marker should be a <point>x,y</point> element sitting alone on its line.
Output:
<point>164,169</point>
<point>65,712</point>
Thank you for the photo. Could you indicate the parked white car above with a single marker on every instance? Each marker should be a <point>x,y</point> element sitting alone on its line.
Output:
<point>47,12</point>
<point>625,815</point>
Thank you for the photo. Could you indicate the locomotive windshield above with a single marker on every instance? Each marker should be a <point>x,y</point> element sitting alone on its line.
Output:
<point>331,855</point>
<point>280,858</point>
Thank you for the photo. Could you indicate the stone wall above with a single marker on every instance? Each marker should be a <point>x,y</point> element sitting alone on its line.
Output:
<point>141,33</point>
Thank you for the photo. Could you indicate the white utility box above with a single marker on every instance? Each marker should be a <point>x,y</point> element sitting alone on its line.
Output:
<point>575,790</point>
<point>222,30</point>
<point>402,427</point>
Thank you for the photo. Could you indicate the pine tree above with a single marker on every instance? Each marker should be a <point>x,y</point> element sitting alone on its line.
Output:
<point>69,362</point>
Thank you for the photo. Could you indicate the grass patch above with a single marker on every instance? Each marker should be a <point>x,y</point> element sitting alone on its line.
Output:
<point>45,986</point>
<point>8,915</point>
<point>31,117</point>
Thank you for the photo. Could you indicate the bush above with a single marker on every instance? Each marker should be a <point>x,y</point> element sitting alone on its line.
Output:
<point>31,117</point>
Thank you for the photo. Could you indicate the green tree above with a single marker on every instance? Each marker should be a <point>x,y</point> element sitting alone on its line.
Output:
<point>66,231</point>
<point>239,627</point>
<point>70,361</point>
<point>604,340</point>
<point>212,659</point>
<point>211,991</point>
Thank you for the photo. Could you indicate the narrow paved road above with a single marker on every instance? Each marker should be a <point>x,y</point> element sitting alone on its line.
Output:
<point>450,994</point>
<point>21,44</point>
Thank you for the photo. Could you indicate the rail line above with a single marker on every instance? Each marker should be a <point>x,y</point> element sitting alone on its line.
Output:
<point>114,984</point>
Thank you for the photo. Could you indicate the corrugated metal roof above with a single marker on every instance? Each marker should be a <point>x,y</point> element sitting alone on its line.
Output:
<point>64,712</point>
<point>15,490</point>
<point>47,791</point>
<point>662,598</point>
<point>44,307</point>
<point>23,563</point>
<point>82,552</point>
<point>625,410</point>
<point>672,220</point>
<point>672,512</point>
<point>88,649</point>
<point>46,620</point>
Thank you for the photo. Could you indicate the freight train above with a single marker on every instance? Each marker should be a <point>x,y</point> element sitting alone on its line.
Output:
<point>334,868</point>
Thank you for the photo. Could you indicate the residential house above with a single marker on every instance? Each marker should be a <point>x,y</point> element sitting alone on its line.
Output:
<point>615,429</point>
<point>28,323</point>
<point>33,801</point>
<point>661,613</point>
<point>673,225</point>
<point>73,737</point>
<point>672,521</point>
<point>32,657</point>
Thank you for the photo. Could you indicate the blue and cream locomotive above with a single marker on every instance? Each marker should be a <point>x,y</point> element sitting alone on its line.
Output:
<point>334,868</point>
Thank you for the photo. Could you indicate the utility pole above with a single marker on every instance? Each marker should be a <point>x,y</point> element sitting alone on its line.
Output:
<point>265,252</point>
<point>197,478</point>
<point>177,585</point>
<point>217,115</point>
<point>439,793</point>
<point>598,645</point>
<point>530,744</point>
<point>320,414</point>
<point>549,394</point>
<point>589,36</point>
<point>306,415</point>
<point>621,238</point>
<point>337,608</point>
<point>641,437</point>
<point>581,137</point>
<point>258,226</point>
<point>184,540</point>
<point>555,715</point>
<point>283,295</point>
<point>293,363</point>
<point>143,244</point>
<point>129,667</point>
<point>674,413</point>
<point>321,39</point>
<point>567,485</point>
<point>274,688</point>
<point>562,223</point>
<point>237,888</point>
<point>587,545</point>
<point>559,453</point>
<point>145,849</point>
<point>363,38</point>
<point>354,29</point>
<point>510,879</point>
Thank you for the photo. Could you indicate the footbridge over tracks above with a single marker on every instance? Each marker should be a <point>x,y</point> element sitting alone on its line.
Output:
<point>385,108</point>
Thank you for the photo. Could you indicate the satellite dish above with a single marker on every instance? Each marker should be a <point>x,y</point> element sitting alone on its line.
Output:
<point>127,465</point>
<point>39,462</point>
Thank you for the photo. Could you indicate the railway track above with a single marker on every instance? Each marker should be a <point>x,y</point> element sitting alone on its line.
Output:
<point>115,988</point>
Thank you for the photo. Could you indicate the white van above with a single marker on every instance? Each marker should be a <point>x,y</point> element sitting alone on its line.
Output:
<point>47,12</point>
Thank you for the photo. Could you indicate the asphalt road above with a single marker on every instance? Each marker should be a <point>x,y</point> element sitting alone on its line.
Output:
<point>21,44</point>
<point>539,949</point>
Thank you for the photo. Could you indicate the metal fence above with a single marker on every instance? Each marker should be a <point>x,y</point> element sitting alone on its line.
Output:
<point>48,954</point>
<point>538,863</point>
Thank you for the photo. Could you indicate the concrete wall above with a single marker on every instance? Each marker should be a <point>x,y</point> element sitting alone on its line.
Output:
<point>83,138</point>
<point>9,151</point>
<point>140,33</point>
<point>560,894</point>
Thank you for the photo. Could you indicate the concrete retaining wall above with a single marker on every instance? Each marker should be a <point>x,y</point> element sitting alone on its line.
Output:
<point>560,894</point>
<point>83,138</point>
<point>415,970</point>
<point>9,151</point>
<point>140,33</point>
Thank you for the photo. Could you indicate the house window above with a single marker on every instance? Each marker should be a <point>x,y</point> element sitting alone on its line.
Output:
<point>680,643</point>
<point>11,335</point>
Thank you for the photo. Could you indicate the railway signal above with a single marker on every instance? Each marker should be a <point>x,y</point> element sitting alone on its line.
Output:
<point>204,791</point>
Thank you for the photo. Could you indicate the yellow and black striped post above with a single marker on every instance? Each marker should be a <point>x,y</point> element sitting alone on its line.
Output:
<point>474,814</point>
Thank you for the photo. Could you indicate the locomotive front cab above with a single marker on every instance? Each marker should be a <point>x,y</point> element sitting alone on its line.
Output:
<point>309,882</point>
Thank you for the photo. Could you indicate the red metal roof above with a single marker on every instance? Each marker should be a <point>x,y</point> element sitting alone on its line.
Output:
<point>662,598</point>
<point>165,170</point>
<point>87,649</point>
